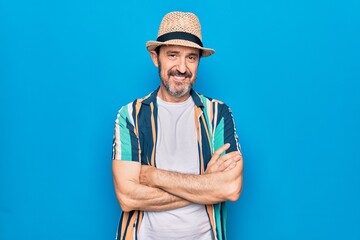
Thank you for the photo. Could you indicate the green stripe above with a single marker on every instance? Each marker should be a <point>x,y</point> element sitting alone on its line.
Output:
<point>218,221</point>
<point>218,142</point>
<point>206,114</point>
<point>125,144</point>
<point>219,135</point>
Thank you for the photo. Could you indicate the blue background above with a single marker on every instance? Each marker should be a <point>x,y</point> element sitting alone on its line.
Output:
<point>289,70</point>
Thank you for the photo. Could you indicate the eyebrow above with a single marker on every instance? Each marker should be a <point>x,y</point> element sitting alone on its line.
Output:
<point>193,54</point>
<point>177,52</point>
<point>168,52</point>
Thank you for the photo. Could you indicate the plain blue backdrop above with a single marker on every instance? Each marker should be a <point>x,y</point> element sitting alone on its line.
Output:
<point>290,71</point>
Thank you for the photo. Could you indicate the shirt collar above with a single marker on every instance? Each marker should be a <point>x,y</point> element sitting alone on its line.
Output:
<point>152,98</point>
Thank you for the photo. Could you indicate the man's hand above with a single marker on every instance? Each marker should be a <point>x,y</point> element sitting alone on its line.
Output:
<point>217,163</point>
<point>223,163</point>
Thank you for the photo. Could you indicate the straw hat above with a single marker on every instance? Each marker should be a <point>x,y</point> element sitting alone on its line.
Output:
<point>181,29</point>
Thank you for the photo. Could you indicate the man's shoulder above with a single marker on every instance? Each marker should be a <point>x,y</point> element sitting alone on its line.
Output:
<point>206,100</point>
<point>127,110</point>
<point>211,106</point>
<point>146,100</point>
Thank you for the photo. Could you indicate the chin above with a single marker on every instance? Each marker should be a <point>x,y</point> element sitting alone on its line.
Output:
<point>180,93</point>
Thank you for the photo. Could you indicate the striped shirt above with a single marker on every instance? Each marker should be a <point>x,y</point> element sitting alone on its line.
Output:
<point>135,140</point>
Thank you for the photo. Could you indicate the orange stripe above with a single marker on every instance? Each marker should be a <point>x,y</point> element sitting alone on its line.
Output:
<point>131,228</point>
<point>211,117</point>
<point>139,221</point>
<point>210,211</point>
<point>123,223</point>
<point>153,134</point>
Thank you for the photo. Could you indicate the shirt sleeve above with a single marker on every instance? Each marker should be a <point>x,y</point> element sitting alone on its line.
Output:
<point>225,131</point>
<point>125,141</point>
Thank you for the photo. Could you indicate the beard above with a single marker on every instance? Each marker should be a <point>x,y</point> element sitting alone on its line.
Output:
<point>172,90</point>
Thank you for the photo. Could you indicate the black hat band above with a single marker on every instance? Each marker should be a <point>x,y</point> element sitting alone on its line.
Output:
<point>180,35</point>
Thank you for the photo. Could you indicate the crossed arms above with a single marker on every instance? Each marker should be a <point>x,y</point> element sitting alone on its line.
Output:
<point>147,188</point>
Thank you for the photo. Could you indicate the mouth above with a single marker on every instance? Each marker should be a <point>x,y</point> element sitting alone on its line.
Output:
<point>179,79</point>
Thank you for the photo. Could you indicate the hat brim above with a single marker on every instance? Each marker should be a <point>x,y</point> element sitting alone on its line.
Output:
<point>151,45</point>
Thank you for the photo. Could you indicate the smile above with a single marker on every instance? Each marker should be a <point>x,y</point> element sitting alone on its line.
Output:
<point>179,78</point>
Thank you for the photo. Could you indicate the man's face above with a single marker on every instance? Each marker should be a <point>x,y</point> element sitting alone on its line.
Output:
<point>177,69</point>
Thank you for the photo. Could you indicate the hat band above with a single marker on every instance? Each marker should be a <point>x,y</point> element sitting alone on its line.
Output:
<point>180,35</point>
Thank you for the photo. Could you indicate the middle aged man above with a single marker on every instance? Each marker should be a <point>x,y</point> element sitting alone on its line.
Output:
<point>176,157</point>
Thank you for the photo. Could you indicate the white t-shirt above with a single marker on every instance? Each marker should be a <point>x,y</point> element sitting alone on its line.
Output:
<point>177,150</point>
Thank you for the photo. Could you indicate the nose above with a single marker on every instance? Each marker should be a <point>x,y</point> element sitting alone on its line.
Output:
<point>182,65</point>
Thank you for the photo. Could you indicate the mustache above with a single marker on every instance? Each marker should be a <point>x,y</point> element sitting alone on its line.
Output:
<point>177,73</point>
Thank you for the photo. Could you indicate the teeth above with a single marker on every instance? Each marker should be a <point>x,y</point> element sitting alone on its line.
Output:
<point>179,78</point>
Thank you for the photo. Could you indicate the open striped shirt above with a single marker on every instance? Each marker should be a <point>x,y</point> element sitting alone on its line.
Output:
<point>135,140</point>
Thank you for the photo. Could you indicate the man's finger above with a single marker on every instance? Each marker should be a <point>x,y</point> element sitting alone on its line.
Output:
<point>234,155</point>
<point>221,149</point>
<point>218,152</point>
<point>213,165</point>
<point>231,166</point>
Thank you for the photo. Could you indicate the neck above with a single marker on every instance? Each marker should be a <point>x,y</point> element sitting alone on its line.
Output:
<point>165,96</point>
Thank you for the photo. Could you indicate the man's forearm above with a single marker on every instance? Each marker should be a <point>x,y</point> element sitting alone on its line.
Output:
<point>150,199</point>
<point>203,189</point>
<point>135,196</point>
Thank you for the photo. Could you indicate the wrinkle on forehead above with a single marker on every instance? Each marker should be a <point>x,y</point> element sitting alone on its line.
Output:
<point>180,49</point>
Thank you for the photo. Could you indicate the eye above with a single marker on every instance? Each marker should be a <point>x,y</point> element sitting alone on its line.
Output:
<point>172,56</point>
<point>192,58</point>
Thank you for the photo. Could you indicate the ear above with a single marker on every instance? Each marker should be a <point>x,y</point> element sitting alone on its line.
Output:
<point>154,58</point>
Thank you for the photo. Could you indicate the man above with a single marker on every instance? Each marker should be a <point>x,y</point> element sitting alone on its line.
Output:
<point>176,158</point>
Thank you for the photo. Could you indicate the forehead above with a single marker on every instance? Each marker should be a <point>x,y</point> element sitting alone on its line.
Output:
<point>180,49</point>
